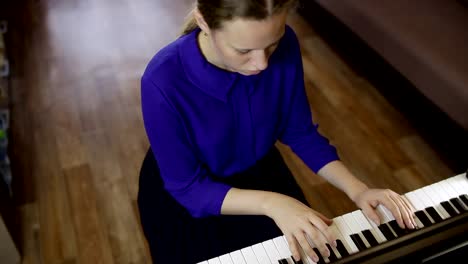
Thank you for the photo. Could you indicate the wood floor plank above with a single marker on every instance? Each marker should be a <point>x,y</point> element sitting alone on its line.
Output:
<point>30,242</point>
<point>93,246</point>
<point>114,202</point>
<point>57,232</point>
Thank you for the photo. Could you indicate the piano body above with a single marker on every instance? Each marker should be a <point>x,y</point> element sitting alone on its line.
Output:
<point>441,214</point>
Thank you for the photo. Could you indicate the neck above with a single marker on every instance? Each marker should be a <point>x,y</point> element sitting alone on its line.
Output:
<point>207,50</point>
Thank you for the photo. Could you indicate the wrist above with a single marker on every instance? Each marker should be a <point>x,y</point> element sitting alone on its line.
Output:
<point>268,203</point>
<point>354,191</point>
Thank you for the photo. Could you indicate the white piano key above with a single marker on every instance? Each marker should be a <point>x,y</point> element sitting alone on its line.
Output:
<point>283,249</point>
<point>427,201</point>
<point>339,236</point>
<point>457,187</point>
<point>445,185</point>
<point>440,197</point>
<point>355,228</point>
<point>425,194</point>
<point>414,200</point>
<point>204,262</point>
<point>458,184</point>
<point>344,229</point>
<point>271,250</point>
<point>226,259</point>
<point>261,254</point>
<point>249,255</point>
<point>419,224</point>
<point>214,261</point>
<point>441,190</point>
<point>385,213</point>
<point>305,259</point>
<point>418,205</point>
<point>436,200</point>
<point>237,257</point>
<point>365,224</point>
<point>359,227</point>
<point>463,181</point>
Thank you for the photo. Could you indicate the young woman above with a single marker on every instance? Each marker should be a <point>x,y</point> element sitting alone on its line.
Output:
<point>214,102</point>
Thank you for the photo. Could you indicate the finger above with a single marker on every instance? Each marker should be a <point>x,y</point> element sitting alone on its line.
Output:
<point>404,210</point>
<point>294,247</point>
<point>371,213</point>
<point>397,211</point>
<point>318,240</point>
<point>304,244</point>
<point>325,219</point>
<point>324,230</point>
<point>408,202</point>
<point>409,208</point>
<point>393,207</point>
<point>412,208</point>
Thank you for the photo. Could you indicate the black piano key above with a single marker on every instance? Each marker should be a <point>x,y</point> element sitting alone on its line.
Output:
<point>448,207</point>
<point>297,262</point>
<point>341,248</point>
<point>321,260</point>
<point>358,241</point>
<point>464,198</point>
<point>458,204</point>
<point>370,238</point>
<point>434,214</point>
<point>423,218</point>
<point>386,232</point>
<point>283,261</point>
<point>332,256</point>
<point>398,230</point>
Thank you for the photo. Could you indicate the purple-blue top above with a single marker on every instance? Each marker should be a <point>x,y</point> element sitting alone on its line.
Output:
<point>202,120</point>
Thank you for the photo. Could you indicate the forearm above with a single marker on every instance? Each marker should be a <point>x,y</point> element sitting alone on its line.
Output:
<point>337,174</point>
<point>248,202</point>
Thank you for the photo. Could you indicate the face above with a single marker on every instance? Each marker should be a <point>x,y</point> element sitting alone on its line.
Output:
<point>244,46</point>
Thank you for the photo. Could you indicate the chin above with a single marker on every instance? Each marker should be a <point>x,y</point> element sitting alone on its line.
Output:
<point>248,73</point>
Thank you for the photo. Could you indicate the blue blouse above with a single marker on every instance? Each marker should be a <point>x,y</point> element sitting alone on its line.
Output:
<point>202,120</point>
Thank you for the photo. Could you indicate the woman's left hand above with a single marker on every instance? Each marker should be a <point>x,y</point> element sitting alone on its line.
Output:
<point>398,205</point>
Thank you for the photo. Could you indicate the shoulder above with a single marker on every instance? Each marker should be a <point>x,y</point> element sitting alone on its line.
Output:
<point>290,36</point>
<point>289,43</point>
<point>166,62</point>
<point>165,73</point>
<point>288,51</point>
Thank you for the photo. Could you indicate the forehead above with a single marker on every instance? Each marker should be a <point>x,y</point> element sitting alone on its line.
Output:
<point>253,34</point>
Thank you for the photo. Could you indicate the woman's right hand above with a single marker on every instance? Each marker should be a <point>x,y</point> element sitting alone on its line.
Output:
<point>296,220</point>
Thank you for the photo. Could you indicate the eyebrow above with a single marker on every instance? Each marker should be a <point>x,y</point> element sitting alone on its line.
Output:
<point>272,44</point>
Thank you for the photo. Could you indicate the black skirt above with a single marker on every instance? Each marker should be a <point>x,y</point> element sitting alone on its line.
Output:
<point>174,236</point>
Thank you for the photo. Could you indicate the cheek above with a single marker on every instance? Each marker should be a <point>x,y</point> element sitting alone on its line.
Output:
<point>231,57</point>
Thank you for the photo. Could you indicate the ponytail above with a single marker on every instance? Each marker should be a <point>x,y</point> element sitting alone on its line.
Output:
<point>190,23</point>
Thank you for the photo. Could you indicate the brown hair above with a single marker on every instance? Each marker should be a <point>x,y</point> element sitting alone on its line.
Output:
<point>217,11</point>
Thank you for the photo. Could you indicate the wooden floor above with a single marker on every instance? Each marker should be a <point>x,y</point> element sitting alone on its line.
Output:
<point>78,138</point>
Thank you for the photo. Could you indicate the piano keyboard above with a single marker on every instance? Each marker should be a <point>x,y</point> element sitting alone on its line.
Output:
<point>437,203</point>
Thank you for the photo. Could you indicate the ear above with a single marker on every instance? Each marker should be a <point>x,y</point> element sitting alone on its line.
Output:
<point>201,21</point>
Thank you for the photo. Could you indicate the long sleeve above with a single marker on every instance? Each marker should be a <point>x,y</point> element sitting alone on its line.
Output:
<point>300,133</point>
<point>184,176</point>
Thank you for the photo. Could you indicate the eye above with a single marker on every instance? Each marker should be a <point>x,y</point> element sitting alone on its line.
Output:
<point>243,51</point>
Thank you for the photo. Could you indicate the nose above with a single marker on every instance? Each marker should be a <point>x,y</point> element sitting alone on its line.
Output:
<point>260,59</point>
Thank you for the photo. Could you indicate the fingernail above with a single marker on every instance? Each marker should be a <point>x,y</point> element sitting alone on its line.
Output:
<point>315,259</point>
<point>335,244</point>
